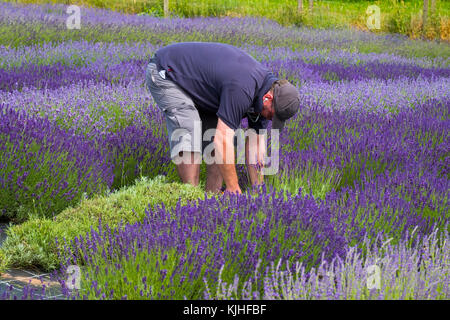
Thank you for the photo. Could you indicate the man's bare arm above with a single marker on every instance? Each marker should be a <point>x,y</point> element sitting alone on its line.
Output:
<point>224,147</point>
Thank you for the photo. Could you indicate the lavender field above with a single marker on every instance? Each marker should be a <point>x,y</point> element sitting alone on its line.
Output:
<point>359,209</point>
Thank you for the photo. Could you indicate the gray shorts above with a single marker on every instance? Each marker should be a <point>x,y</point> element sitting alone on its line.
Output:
<point>185,125</point>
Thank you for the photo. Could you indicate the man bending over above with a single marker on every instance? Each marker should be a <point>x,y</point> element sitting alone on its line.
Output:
<point>200,86</point>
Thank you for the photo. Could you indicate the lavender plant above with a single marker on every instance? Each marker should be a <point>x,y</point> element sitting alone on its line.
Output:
<point>405,272</point>
<point>45,168</point>
<point>420,272</point>
<point>174,249</point>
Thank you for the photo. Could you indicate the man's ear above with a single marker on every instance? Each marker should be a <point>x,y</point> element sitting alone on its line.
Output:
<point>268,96</point>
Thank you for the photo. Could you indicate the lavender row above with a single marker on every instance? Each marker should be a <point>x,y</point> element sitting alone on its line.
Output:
<point>390,272</point>
<point>340,138</point>
<point>58,75</point>
<point>194,241</point>
<point>97,108</point>
<point>45,168</point>
<point>93,109</point>
<point>220,240</point>
<point>398,160</point>
<point>84,53</point>
<point>375,96</point>
<point>297,70</point>
<point>74,53</point>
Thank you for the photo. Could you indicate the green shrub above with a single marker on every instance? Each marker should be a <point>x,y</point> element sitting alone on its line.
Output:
<point>3,262</point>
<point>32,244</point>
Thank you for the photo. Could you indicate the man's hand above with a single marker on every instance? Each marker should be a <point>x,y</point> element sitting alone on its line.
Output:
<point>224,146</point>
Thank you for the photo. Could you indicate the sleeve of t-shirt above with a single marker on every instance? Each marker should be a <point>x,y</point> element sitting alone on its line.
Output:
<point>234,103</point>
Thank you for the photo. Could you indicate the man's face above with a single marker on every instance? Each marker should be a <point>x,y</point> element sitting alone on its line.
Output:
<point>268,111</point>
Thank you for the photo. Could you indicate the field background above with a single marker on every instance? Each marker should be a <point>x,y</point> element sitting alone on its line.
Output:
<point>403,17</point>
<point>86,177</point>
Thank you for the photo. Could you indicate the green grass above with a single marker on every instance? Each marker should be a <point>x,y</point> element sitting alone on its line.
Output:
<point>311,180</point>
<point>32,244</point>
<point>3,262</point>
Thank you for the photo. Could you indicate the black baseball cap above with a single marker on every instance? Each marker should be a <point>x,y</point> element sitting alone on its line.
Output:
<point>286,102</point>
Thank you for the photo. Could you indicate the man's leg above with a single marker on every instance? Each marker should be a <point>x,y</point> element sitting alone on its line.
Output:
<point>183,124</point>
<point>189,172</point>
<point>214,179</point>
